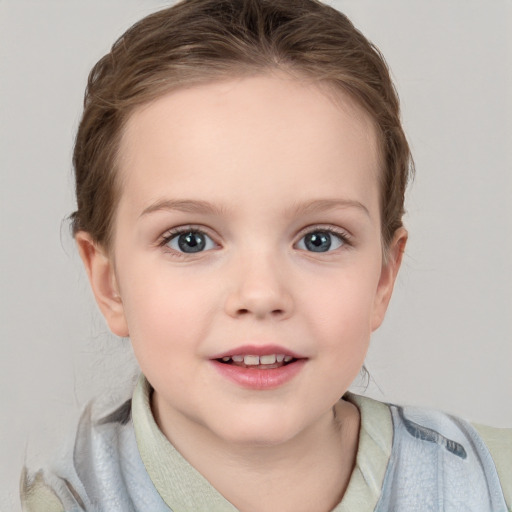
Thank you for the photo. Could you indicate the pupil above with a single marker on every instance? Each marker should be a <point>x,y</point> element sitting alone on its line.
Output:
<point>191,242</point>
<point>318,242</point>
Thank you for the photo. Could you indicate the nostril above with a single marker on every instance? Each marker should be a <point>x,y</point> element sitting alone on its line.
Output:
<point>274,312</point>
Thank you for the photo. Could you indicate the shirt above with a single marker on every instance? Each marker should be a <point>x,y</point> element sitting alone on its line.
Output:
<point>408,459</point>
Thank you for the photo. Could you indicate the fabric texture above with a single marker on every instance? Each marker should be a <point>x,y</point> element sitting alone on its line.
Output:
<point>438,463</point>
<point>499,443</point>
<point>408,459</point>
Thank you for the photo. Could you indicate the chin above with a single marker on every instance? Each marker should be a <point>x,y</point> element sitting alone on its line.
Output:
<point>258,431</point>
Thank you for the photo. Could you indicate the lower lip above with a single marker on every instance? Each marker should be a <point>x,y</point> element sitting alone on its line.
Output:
<point>255,378</point>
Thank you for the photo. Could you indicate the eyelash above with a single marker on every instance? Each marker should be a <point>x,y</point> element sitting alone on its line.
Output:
<point>173,233</point>
<point>343,235</point>
<point>345,238</point>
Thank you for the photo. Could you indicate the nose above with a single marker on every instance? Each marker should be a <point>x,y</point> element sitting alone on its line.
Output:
<point>259,288</point>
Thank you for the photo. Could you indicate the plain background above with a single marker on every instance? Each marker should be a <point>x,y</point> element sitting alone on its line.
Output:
<point>447,341</point>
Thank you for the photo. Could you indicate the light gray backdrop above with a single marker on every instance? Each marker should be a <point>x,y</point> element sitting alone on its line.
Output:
<point>447,341</point>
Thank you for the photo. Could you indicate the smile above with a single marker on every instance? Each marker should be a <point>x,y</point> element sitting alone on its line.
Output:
<point>259,368</point>
<point>263,362</point>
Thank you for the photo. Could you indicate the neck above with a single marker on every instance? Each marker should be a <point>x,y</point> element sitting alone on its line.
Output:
<point>308,472</point>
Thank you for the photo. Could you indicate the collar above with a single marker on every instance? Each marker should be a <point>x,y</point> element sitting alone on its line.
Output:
<point>183,488</point>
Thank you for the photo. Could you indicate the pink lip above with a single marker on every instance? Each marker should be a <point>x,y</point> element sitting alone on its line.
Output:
<point>255,378</point>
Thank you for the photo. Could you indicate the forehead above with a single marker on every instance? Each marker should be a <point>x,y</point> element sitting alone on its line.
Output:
<point>246,128</point>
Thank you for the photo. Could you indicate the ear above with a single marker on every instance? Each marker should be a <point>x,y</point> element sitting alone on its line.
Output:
<point>100,270</point>
<point>390,268</point>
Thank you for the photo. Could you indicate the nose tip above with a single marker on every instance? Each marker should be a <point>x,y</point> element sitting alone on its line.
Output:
<point>261,292</point>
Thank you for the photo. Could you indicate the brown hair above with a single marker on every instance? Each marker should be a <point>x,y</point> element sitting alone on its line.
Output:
<point>198,41</point>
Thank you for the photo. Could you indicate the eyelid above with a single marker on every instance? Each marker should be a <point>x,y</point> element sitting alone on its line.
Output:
<point>343,234</point>
<point>329,228</point>
<point>171,233</point>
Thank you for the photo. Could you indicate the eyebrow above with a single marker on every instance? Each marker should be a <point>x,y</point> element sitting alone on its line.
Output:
<point>183,205</point>
<point>207,208</point>
<point>321,205</point>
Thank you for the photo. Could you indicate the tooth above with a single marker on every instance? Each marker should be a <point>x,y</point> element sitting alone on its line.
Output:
<point>226,359</point>
<point>279,358</point>
<point>270,359</point>
<point>238,359</point>
<point>287,359</point>
<point>251,360</point>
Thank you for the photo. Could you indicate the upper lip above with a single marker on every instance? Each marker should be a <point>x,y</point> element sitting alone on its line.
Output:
<point>257,350</point>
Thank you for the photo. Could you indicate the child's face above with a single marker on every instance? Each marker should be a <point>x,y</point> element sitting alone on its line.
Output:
<point>248,224</point>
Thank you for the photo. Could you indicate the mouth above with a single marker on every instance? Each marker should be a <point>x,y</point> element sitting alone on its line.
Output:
<point>259,367</point>
<point>255,362</point>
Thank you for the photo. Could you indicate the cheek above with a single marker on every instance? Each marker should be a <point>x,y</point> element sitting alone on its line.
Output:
<point>343,330</point>
<point>343,303</point>
<point>164,309</point>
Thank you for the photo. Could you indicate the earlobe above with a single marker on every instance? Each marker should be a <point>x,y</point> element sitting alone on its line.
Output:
<point>390,268</point>
<point>100,270</point>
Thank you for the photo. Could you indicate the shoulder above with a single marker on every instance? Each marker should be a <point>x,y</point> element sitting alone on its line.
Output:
<point>445,457</point>
<point>37,495</point>
<point>433,460</point>
<point>499,443</point>
<point>69,481</point>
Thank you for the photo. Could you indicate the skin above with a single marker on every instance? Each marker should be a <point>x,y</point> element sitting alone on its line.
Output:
<point>275,159</point>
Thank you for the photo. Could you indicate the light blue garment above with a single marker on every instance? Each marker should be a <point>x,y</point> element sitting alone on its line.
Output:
<point>105,472</point>
<point>437,464</point>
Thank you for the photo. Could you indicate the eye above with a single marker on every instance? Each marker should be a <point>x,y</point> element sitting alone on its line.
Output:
<point>321,240</point>
<point>189,241</point>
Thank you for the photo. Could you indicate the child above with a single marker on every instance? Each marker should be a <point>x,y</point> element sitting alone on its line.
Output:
<point>240,176</point>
